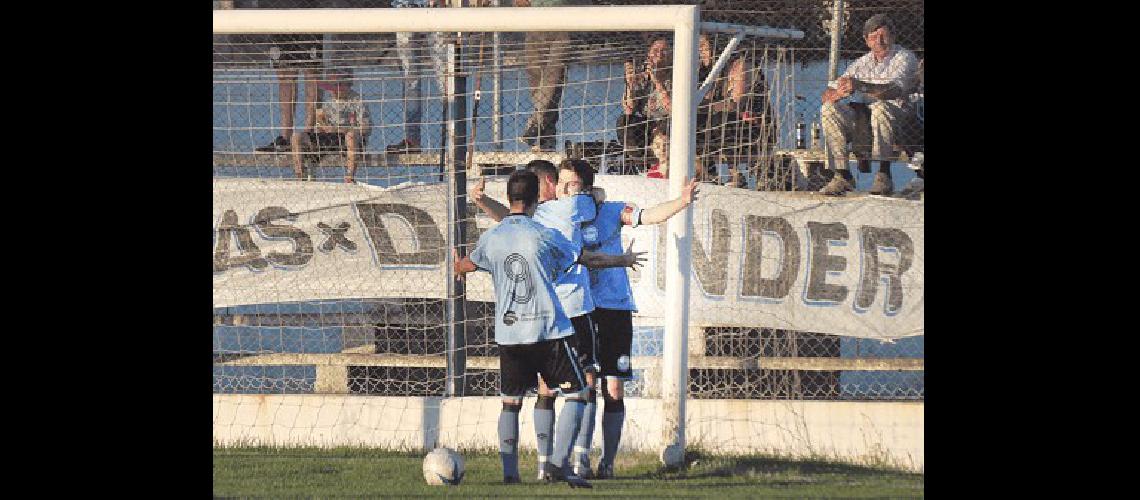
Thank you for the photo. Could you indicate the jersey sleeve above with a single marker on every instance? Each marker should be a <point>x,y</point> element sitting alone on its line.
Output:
<point>479,254</point>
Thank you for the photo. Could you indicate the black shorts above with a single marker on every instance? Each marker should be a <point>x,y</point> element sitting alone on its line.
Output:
<point>615,341</point>
<point>556,360</point>
<point>296,51</point>
<point>586,337</point>
<point>331,141</point>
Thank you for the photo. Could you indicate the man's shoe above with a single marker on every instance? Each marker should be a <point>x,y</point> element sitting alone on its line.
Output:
<point>883,185</point>
<point>403,147</point>
<point>577,482</point>
<point>837,186</point>
<point>605,471</point>
<point>913,188</point>
<point>278,145</point>
<point>554,473</point>
<point>583,471</point>
<point>512,480</point>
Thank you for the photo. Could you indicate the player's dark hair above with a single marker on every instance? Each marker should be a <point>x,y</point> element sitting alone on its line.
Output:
<point>523,186</point>
<point>543,168</point>
<point>582,168</point>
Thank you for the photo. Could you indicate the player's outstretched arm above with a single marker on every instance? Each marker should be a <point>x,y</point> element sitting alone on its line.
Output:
<point>492,208</point>
<point>599,260</point>
<point>664,211</point>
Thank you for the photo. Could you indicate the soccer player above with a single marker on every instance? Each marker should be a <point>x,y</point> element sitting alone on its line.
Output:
<point>532,330</point>
<point>565,212</point>
<point>613,316</point>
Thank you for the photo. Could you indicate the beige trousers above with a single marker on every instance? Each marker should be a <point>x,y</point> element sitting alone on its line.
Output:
<point>872,132</point>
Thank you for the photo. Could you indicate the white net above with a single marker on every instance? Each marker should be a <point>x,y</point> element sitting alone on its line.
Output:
<point>340,290</point>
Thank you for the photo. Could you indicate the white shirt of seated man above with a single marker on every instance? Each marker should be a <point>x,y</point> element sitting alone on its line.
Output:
<point>887,62</point>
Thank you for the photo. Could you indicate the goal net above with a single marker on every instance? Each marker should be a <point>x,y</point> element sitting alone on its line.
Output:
<point>341,163</point>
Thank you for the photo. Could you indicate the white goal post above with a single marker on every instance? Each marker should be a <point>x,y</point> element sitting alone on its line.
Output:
<point>682,21</point>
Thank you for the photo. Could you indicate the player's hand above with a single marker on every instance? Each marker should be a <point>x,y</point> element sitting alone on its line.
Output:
<point>455,260</point>
<point>477,191</point>
<point>633,259</point>
<point>689,192</point>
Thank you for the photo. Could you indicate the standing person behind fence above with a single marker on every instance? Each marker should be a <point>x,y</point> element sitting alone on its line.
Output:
<point>883,77</point>
<point>410,49</point>
<point>343,124</point>
<point>544,57</point>
<point>646,104</point>
<point>290,55</point>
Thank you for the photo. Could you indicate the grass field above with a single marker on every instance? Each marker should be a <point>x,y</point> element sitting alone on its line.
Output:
<point>355,472</point>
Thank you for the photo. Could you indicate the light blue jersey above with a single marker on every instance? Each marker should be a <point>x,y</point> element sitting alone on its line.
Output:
<point>566,215</point>
<point>609,287</point>
<point>524,259</point>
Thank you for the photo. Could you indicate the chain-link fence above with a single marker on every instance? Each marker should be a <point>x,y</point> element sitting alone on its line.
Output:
<point>374,109</point>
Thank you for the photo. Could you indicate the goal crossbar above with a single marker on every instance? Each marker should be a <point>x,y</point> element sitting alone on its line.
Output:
<point>607,18</point>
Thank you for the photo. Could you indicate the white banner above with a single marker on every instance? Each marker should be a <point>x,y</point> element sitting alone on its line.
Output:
<point>845,266</point>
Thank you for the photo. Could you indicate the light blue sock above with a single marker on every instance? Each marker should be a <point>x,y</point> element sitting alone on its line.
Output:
<point>544,428</point>
<point>586,432</point>
<point>613,418</point>
<point>509,439</point>
<point>569,421</point>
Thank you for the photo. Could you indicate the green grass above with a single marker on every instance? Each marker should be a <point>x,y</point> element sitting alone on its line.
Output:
<point>358,472</point>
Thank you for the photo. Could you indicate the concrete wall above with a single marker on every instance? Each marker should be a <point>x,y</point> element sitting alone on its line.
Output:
<point>860,432</point>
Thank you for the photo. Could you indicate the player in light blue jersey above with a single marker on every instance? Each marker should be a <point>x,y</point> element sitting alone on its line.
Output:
<point>613,316</point>
<point>533,332</point>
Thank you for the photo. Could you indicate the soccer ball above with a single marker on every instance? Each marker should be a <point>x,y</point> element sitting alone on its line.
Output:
<point>443,466</point>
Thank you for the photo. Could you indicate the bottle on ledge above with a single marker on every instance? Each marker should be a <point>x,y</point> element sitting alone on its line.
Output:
<point>800,133</point>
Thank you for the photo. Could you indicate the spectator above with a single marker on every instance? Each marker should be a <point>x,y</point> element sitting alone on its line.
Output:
<point>884,76</point>
<point>646,104</point>
<point>289,55</point>
<point>735,113</point>
<point>545,60</point>
<point>343,124</point>
<point>408,47</point>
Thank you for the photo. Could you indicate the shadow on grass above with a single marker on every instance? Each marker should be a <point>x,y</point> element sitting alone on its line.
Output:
<point>702,465</point>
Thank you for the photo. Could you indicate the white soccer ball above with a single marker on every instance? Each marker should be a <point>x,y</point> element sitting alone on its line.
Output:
<point>443,466</point>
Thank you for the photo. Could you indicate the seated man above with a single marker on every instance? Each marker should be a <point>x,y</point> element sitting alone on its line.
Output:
<point>343,124</point>
<point>884,76</point>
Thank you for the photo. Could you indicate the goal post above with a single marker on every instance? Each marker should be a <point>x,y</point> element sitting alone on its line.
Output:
<point>684,23</point>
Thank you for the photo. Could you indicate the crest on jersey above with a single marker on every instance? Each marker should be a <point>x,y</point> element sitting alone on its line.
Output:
<point>623,364</point>
<point>590,234</point>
